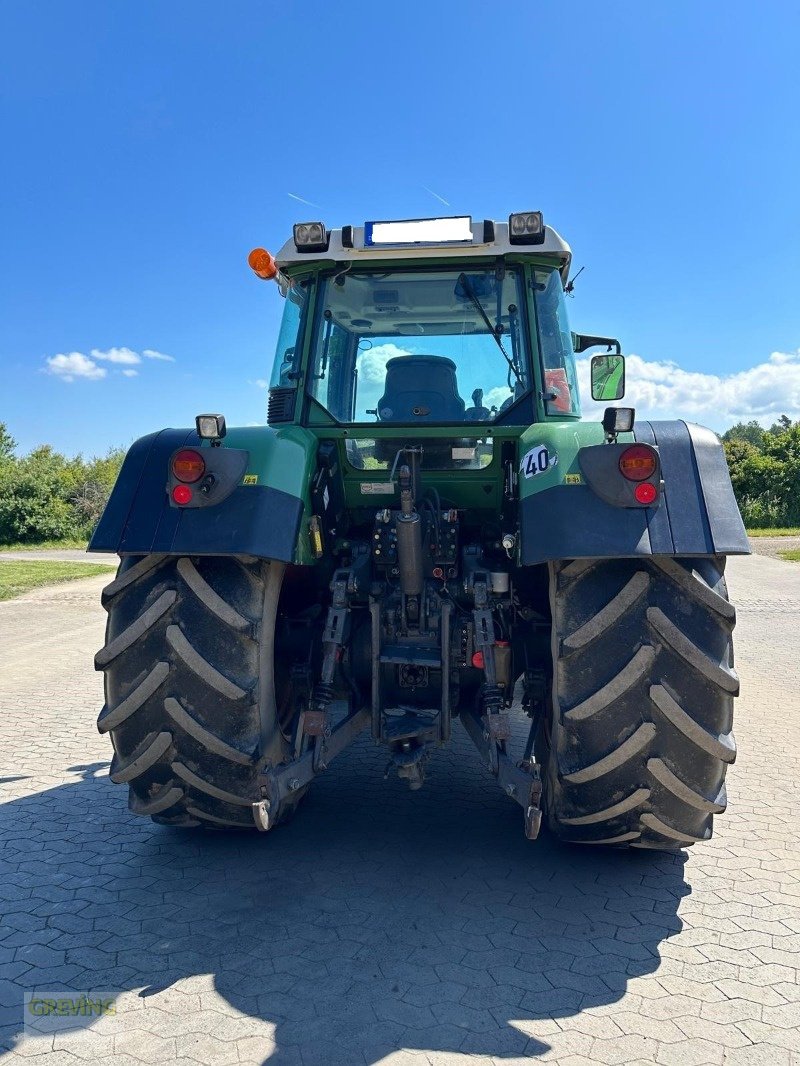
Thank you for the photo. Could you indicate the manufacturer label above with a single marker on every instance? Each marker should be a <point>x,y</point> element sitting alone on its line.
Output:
<point>573,479</point>
<point>377,488</point>
<point>537,461</point>
<point>250,479</point>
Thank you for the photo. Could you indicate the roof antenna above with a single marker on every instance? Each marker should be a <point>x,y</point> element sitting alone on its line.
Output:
<point>569,288</point>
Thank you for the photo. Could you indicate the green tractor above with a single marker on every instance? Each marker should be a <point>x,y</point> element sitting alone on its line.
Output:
<point>426,533</point>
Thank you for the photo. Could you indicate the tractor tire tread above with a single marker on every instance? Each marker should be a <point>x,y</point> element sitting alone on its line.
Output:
<point>640,732</point>
<point>187,708</point>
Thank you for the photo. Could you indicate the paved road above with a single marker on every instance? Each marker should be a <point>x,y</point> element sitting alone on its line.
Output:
<point>68,555</point>
<point>389,926</point>
<point>773,546</point>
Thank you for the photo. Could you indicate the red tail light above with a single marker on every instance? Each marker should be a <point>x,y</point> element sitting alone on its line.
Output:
<point>637,463</point>
<point>645,493</point>
<point>188,465</point>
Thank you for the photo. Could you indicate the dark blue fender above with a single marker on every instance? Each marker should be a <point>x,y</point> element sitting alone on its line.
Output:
<point>259,520</point>
<point>697,514</point>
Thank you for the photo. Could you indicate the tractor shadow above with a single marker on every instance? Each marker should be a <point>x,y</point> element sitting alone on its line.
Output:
<point>379,919</point>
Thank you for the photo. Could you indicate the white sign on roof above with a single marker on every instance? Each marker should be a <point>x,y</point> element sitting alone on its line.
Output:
<point>419,231</point>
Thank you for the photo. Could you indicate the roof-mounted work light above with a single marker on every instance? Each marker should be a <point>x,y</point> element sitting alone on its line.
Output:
<point>527,227</point>
<point>311,237</point>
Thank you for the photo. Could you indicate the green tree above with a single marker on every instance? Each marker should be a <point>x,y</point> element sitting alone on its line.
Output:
<point>7,444</point>
<point>94,487</point>
<point>46,496</point>
<point>33,499</point>
<point>766,477</point>
<point>749,431</point>
<point>783,423</point>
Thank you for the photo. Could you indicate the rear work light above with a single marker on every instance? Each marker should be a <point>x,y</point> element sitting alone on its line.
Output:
<point>311,237</point>
<point>638,462</point>
<point>188,465</point>
<point>526,227</point>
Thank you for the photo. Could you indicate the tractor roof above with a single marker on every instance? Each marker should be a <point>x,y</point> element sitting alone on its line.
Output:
<point>353,244</point>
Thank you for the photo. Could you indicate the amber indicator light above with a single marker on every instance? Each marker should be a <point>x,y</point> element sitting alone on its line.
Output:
<point>637,463</point>
<point>188,465</point>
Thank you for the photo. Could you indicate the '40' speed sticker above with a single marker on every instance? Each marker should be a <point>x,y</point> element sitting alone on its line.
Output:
<point>537,461</point>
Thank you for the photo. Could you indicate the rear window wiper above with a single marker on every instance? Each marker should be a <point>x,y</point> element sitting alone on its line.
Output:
<point>465,283</point>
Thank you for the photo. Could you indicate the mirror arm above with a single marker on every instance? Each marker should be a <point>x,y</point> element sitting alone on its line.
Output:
<point>582,341</point>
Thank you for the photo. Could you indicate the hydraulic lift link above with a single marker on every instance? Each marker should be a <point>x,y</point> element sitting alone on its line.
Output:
<point>522,782</point>
<point>495,722</point>
<point>337,627</point>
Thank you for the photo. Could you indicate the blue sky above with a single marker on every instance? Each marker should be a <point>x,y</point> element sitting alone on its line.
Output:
<point>149,146</point>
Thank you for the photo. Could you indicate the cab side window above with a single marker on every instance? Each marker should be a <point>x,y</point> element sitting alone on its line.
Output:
<point>555,344</point>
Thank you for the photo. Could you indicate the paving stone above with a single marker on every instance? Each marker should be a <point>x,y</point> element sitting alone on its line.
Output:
<point>759,1055</point>
<point>622,1050</point>
<point>690,1053</point>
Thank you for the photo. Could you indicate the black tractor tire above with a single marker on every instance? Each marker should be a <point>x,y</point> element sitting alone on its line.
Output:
<point>639,736</point>
<point>190,686</point>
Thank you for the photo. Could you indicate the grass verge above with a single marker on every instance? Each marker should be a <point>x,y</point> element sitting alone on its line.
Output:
<point>46,545</point>
<point>785,531</point>
<point>792,556</point>
<point>17,576</point>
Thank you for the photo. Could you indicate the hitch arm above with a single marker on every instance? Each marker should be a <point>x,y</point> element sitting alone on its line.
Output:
<point>279,783</point>
<point>524,786</point>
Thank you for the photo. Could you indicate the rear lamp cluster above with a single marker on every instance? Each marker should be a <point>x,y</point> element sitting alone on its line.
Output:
<point>639,463</point>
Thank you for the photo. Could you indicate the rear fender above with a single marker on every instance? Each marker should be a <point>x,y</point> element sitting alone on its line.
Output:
<point>563,517</point>
<point>257,508</point>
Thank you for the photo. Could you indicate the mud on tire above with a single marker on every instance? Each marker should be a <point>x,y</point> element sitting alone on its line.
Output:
<point>640,735</point>
<point>190,687</point>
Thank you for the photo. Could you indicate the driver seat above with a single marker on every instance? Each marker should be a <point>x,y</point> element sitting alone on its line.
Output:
<point>420,388</point>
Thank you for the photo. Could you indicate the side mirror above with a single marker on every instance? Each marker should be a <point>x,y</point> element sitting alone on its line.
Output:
<point>608,377</point>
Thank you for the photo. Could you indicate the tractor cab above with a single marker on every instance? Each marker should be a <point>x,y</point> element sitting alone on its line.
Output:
<point>444,322</point>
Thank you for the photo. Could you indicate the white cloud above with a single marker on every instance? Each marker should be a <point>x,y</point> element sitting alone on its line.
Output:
<point>75,365</point>
<point>117,355</point>
<point>497,396</point>
<point>372,362</point>
<point>666,390</point>
<point>260,383</point>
